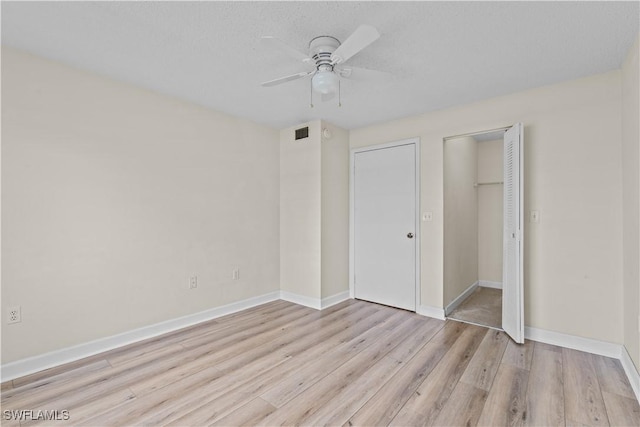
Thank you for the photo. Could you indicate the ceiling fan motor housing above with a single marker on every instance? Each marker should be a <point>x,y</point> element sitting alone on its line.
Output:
<point>320,49</point>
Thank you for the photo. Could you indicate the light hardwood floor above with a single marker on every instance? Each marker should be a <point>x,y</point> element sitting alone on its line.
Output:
<point>355,363</point>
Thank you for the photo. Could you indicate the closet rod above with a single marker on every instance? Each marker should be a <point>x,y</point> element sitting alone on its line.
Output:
<point>475,184</point>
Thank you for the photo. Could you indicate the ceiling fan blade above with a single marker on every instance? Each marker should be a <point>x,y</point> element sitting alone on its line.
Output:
<point>279,44</point>
<point>287,79</point>
<point>362,37</point>
<point>357,74</point>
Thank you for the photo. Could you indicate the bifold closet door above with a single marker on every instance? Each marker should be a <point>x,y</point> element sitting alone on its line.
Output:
<point>513,242</point>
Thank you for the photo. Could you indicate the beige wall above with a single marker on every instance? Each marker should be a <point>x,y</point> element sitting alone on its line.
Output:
<point>314,211</point>
<point>631,198</point>
<point>460,216</point>
<point>300,211</point>
<point>335,211</point>
<point>573,280</point>
<point>113,196</point>
<point>490,211</point>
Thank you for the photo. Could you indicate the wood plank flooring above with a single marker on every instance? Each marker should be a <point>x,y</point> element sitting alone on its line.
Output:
<point>355,363</point>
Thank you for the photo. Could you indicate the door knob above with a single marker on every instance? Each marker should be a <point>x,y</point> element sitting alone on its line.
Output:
<point>410,235</point>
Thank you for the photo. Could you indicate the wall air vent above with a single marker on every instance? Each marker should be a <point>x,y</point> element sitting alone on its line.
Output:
<point>302,133</point>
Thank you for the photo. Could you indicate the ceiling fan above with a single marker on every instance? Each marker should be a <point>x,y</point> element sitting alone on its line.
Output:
<point>326,56</point>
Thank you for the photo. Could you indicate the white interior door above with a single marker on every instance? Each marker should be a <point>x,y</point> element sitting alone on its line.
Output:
<point>512,257</point>
<point>384,225</point>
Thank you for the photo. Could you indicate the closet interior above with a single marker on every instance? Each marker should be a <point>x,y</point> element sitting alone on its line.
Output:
<point>473,228</point>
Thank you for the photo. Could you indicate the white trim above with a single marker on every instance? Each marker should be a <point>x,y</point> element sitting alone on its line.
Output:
<point>489,284</point>
<point>334,299</point>
<point>407,141</point>
<point>588,345</point>
<point>38,363</point>
<point>352,228</point>
<point>310,302</point>
<point>503,129</point>
<point>415,141</point>
<point>631,371</point>
<point>315,303</point>
<point>418,228</point>
<point>429,311</point>
<point>463,296</point>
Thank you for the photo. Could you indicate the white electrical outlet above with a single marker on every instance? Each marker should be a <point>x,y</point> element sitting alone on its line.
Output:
<point>427,216</point>
<point>14,314</point>
<point>236,274</point>
<point>193,282</point>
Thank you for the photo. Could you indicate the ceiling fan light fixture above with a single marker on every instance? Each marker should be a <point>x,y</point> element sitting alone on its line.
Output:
<point>325,52</point>
<point>325,82</point>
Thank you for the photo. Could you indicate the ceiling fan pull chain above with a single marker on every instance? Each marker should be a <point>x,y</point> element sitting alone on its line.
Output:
<point>339,94</point>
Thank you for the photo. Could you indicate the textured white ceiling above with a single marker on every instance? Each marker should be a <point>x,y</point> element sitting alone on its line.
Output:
<point>441,54</point>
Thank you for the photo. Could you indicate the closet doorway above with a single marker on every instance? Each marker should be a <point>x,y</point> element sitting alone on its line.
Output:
<point>483,219</point>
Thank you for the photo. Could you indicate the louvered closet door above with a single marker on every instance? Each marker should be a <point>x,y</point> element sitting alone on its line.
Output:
<point>512,261</point>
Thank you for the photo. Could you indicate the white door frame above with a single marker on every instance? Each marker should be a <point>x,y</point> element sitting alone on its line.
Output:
<point>410,141</point>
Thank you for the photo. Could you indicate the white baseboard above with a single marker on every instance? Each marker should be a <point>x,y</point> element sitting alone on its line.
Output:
<point>315,303</point>
<point>334,299</point>
<point>463,296</point>
<point>490,284</point>
<point>631,371</point>
<point>38,363</point>
<point>429,311</point>
<point>310,302</point>
<point>588,345</point>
